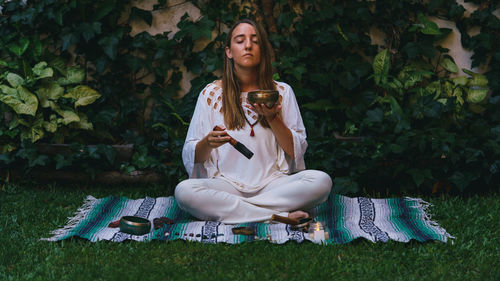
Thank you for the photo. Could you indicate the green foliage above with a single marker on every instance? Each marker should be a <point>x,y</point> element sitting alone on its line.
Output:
<point>422,148</point>
<point>45,102</point>
<point>417,122</point>
<point>416,117</point>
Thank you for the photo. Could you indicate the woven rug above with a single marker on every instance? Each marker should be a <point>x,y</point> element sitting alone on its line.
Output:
<point>344,218</point>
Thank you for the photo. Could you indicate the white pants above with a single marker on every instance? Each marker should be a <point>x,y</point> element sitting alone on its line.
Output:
<point>216,199</point>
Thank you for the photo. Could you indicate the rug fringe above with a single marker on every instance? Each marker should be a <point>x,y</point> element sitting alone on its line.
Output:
<point>425,206</point>
<point>79,215</point>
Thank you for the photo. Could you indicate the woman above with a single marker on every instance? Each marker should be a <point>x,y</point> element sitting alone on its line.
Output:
<point>224,185</point>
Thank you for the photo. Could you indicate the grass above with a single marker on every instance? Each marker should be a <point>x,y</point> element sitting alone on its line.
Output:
<point>29,212</point>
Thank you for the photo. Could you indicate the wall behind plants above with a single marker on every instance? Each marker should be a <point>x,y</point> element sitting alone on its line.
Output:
<point>412,121</point>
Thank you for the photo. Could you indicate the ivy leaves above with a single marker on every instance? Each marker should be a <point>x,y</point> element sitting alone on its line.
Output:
<point>428,27</point>
<point>109,44</point>
<point>136,13</point>
<point>196,30</point>
<point>416,109</point>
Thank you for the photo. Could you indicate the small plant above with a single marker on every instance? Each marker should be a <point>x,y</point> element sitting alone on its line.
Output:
<point>45,102</point>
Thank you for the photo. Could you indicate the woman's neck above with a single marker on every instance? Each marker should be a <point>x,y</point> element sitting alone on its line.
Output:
<point>248,80</point>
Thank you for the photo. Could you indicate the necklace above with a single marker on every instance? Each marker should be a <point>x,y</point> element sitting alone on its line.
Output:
<point>252,133</point>
<point>251,125</point>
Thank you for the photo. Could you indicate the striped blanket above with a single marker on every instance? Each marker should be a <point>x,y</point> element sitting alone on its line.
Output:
<point>344,219</point>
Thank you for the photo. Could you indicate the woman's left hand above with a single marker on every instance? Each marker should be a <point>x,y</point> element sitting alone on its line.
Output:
<point>263,110</point>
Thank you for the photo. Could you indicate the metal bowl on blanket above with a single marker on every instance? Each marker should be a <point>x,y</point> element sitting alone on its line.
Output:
<point>135,225</point>
<point>267,97</point>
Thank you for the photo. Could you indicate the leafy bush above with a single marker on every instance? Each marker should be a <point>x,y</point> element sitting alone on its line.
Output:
<point>411,124</point>
<point>44,103</point>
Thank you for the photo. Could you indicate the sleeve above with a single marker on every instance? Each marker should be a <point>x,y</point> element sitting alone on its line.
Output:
<point>198,129</point>
<point>293,120</point>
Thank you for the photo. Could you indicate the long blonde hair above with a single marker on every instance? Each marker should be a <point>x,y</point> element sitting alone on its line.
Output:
<point>234,117</point>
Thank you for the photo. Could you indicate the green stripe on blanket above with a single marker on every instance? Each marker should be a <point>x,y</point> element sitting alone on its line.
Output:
<point>344,218</point>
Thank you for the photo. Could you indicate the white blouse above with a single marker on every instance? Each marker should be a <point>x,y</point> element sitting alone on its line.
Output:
<point>269,160</point>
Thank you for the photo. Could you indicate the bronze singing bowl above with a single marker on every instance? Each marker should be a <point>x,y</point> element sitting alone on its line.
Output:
<point>267,97</point>
<point>135,225</point>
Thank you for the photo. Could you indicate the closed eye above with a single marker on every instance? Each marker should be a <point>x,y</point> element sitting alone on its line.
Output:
<point>241,38</point>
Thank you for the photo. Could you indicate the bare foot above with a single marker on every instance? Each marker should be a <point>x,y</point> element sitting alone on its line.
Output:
<point>298,215</point>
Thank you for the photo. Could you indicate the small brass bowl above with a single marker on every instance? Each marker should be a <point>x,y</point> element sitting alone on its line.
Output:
<point>135,225</point>
<point>267,97</point>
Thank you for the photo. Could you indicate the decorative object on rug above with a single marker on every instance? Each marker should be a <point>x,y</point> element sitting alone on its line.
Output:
<point>160,222</point>
<point>343,219</point>
<point>135,225</point>
<point>315,229</point>
<point>114,224</point>
<point>243,230</point>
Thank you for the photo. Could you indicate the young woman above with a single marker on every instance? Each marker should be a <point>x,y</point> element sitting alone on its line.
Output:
<point>226,186</point>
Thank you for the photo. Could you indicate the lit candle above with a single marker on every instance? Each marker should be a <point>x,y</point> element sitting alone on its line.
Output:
<point>318,233</point>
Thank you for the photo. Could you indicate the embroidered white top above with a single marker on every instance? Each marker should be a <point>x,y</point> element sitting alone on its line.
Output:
<point>269,160</point>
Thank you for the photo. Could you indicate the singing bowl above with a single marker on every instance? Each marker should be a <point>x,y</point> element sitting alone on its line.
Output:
<point>267,97</point>
<point>135,225</point>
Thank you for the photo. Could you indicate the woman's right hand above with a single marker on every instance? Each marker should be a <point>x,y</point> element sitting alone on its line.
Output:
<point>217,138</point>
<point>212,140</point>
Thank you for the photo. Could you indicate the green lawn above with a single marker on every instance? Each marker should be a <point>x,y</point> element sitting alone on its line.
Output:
<point>29,212</point>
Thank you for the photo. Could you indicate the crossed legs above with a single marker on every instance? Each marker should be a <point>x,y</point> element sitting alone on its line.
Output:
<point>216,199</point>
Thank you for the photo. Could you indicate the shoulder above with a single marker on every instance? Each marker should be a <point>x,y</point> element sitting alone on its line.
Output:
<point>212,95</point>
<point>217,83</point>
<point>215,86</point>
<point>283,87</point>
